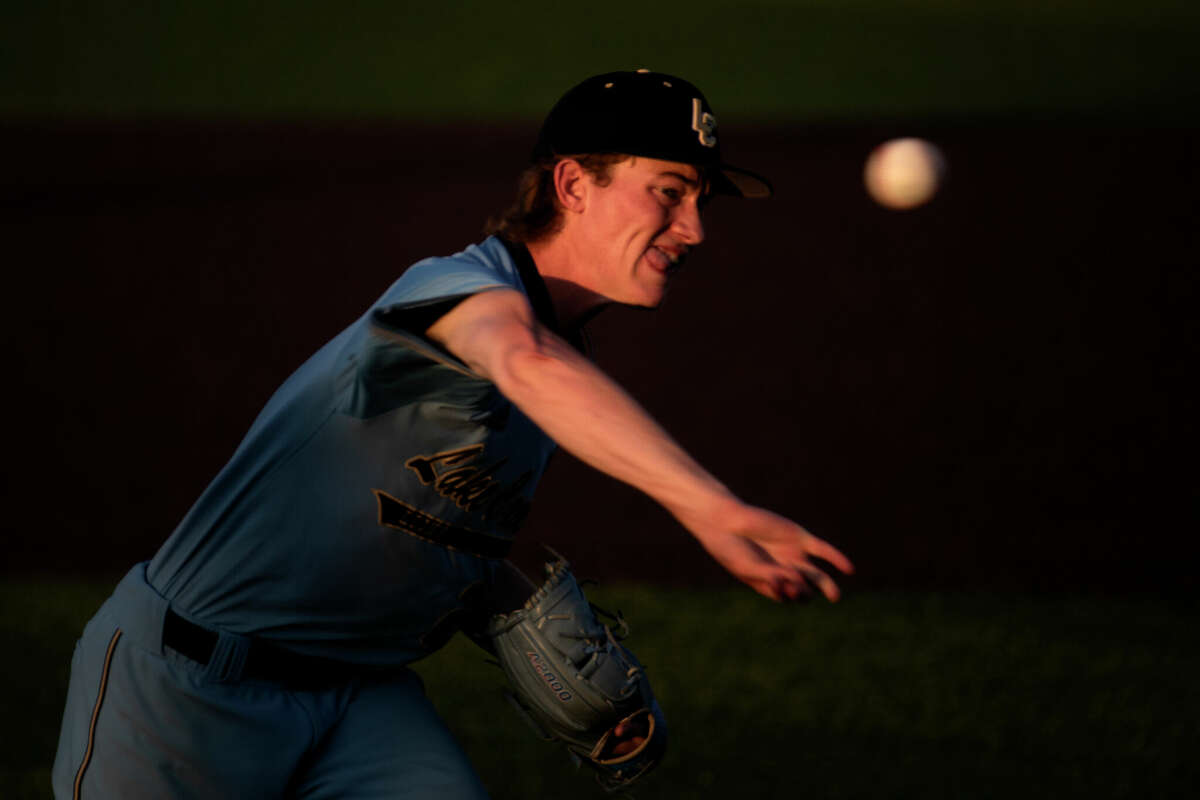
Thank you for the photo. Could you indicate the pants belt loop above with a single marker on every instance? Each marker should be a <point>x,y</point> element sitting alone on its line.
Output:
<point>229,658</point>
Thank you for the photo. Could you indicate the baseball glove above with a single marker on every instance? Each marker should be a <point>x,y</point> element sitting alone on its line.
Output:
<point>576,683</point>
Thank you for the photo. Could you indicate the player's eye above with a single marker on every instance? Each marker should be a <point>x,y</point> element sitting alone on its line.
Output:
<point>671,193</point>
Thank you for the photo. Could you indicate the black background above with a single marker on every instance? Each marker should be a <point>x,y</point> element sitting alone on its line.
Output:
<point>990,391</point>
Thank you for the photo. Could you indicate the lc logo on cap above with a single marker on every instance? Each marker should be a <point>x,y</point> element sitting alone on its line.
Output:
<point>704,123</point>
<point>647,114</point>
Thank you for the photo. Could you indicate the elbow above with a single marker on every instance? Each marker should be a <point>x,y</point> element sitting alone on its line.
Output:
<point>521,371</point>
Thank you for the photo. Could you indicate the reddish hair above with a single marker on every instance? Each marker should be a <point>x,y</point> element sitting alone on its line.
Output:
<point>536,212</point>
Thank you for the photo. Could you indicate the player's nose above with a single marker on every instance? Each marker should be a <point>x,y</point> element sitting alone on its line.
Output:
<point>687,225</point>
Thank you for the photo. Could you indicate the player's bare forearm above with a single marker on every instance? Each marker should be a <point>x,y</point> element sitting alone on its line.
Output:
<point>588,414</point>
<point>593,418</point>
<point>576,404</point>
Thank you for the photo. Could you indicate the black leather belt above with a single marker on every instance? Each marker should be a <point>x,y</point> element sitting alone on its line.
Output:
<point>264,661</point>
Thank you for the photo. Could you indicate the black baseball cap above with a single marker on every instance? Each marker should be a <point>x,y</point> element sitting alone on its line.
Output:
<point>644,113</point>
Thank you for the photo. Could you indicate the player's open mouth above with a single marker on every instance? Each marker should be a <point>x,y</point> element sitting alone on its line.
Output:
<point>664,260</point>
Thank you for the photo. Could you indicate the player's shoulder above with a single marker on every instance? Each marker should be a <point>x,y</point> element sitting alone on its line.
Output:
<point>478,267</point>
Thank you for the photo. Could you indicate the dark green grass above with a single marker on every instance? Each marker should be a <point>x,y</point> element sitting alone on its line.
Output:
<point>882,695</point>
<point>774,59</point>
<point>39,622</point>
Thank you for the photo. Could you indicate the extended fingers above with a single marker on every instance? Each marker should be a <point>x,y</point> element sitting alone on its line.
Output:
<point>802,575</point>
<point>797,580</point>
<point>827,552</point>
<point>784,584</point>
<point>817,577</point>
<point>776,560</point>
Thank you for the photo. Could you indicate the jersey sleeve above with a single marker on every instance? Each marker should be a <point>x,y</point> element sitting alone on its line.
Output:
<point>395,361</point>
<point>430,288</point>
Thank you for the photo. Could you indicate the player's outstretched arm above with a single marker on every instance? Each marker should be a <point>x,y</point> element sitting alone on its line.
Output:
<point>587,413</point>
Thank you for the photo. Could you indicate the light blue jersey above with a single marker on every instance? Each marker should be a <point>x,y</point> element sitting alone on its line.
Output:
<point>354,528</point>
<point>379,483</point>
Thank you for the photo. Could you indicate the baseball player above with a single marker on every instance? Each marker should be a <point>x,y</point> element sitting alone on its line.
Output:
<point>263,651</point>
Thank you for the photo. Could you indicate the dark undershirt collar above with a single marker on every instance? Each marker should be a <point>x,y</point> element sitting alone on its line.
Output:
<point>539,295</point>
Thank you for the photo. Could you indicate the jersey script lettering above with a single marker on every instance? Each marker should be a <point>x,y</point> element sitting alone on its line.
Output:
<point>456,475</point>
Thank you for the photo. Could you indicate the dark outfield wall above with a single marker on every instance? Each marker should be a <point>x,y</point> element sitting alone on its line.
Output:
<point>992,390</point>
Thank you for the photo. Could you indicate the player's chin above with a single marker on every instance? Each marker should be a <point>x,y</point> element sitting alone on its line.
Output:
<point>652,289</point>
<point>648,297</point>
<point>652,301</point>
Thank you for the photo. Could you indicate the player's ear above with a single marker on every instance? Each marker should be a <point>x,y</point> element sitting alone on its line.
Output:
<point>570,184</point>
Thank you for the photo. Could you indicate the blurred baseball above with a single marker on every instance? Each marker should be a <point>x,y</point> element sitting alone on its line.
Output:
<point>903,173</point>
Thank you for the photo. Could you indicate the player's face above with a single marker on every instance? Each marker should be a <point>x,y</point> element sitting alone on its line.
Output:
<point>640,227</point>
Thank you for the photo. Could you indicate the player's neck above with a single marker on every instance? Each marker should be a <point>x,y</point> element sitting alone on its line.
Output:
<point>574,303</point>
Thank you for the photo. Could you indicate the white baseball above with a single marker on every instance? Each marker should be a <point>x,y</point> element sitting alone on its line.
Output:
<point>903,173</point>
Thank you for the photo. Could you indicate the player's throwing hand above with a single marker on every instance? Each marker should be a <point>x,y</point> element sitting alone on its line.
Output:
<point>768,552</point>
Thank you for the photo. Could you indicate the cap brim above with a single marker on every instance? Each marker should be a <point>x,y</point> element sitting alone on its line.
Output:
<point>739,182</point>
